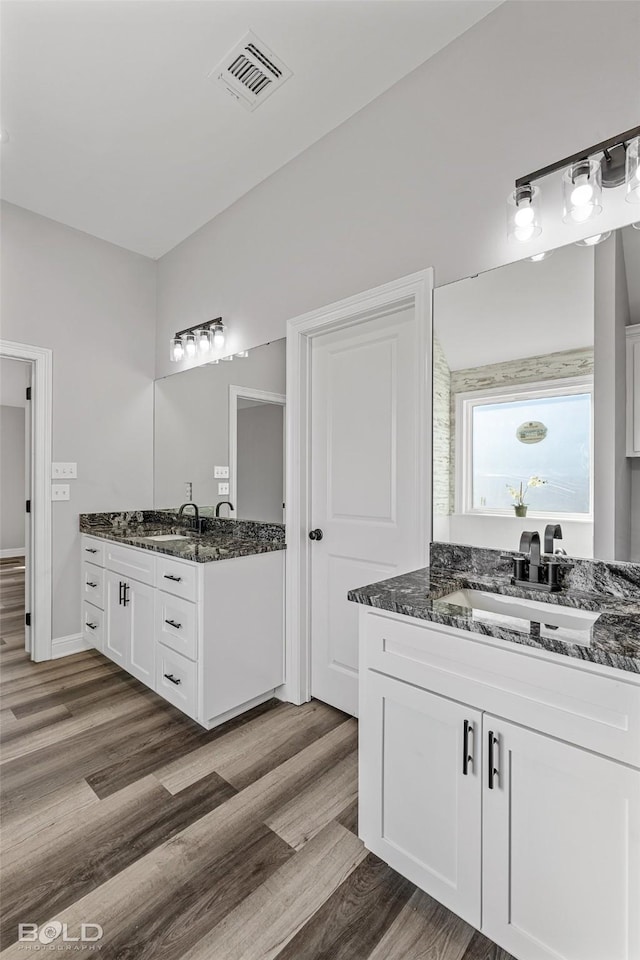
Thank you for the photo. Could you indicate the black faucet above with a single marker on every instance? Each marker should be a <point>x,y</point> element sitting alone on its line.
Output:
<point>195,521</point>
<point>552,531</point>
<point>530,547</point>
<point>221,504</point>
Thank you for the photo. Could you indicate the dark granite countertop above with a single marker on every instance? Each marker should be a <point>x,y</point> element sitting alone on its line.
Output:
<point>614,639</point>
<point>220,540</point>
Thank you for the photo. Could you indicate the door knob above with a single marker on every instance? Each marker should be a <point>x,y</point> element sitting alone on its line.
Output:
<point>316,534</point>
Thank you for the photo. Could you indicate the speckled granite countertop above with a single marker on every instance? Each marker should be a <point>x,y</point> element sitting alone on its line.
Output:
<point>220,539</point>
<point>615,636</point>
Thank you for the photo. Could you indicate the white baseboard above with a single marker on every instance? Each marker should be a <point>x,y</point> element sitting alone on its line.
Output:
<point>11,552</point>
<point>65,646</point>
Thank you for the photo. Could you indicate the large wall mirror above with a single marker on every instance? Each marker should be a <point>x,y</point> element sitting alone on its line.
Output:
<point>530,402</point>
<point>229,414</point>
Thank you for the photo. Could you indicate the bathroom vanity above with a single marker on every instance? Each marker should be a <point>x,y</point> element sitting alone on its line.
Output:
<point>500,748</point>
<point>197,618</point>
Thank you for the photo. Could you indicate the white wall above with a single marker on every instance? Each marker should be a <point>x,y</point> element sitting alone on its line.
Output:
<point>94,304</point>
<point>12,483</point>
<point>419,177</point>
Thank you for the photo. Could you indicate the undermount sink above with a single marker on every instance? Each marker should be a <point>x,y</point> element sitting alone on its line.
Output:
<point>538,618</point>
<point>165,537</point>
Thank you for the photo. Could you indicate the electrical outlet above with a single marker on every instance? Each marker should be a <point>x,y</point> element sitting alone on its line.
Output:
<point>221,473</point>
<point>60,491</point>
<point>223,489</point>
<point>68,471</point>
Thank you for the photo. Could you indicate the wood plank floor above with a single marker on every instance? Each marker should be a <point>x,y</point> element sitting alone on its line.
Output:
<point>234,844</point>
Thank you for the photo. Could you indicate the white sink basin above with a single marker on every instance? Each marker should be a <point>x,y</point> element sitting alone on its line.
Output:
<point>164,537</point>
<point>551,620</point>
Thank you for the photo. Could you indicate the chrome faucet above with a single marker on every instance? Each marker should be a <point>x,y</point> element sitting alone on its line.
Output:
<point>194,521</point>
<point>221,504</point>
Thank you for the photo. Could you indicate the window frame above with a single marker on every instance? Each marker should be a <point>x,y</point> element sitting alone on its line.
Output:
<point>534,390</point>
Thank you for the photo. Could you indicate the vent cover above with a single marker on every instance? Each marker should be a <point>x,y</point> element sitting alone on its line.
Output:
<point>250,72</point>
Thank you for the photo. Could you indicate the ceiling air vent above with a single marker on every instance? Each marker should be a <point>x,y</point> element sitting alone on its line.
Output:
<point>250,72</point>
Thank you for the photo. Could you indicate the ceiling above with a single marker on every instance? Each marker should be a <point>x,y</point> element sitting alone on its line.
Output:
<point>520,310</point>
<point>115,129</point>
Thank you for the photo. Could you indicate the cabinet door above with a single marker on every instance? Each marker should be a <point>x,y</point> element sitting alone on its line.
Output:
<point>139,599</point>
<point>419,810</point>
<point>561,850</point>
<point>116,639</point>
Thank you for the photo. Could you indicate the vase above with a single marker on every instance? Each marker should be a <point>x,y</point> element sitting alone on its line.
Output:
<point>520,509</point>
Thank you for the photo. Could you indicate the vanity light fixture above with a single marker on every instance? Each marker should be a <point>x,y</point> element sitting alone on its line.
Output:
<point>198,340</point>
<point>604,165</point>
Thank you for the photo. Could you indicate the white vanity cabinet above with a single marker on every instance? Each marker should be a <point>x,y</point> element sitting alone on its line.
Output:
<point>633,390</point>
<point>485,779</point>
<point>208,637</point>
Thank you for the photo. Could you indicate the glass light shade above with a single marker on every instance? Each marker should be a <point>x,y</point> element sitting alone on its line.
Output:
<point>632,171</point>
<point>227,358</point>
<point>523,213</point>
<point>243,354</point>
<point>541,256</point>
<point>218,336</point>
<point>176,351</point>
<point>203,340</point>
<point>636,226</point>
<point>582,191</point>
<point>190,346</point>
<point>594,240</point>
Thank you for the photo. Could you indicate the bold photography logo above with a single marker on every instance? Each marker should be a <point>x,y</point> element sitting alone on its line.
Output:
<point>85,936</point>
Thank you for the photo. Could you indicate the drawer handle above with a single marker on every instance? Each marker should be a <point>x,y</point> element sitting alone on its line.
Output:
<point>90,550</point>
<point>173,679</point>
<point>169,576</point>
<point>172,623</point>
<point>92,626</point>
<point>90,584</point>
<point>467,754</point>
<point>494,772</point>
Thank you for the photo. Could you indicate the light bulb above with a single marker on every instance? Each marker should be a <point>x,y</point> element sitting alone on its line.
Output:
<point>524,216</point>
<point>190,346</point>
<point>176,352</point>
<point>594,240</point>
<point>203,340</point>
<point>218,336</point>
<point>523,213</point>
<point>582,193</point>
<point>524,233</point>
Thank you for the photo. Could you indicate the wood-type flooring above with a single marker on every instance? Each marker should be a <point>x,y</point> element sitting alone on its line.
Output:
<point>234,844</point>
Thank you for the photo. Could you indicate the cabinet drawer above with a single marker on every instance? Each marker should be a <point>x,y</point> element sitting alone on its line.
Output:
<point>93,550</point>
<point>181,579</point>
<point>177,624</point>
<point>93,625</point>
<point>93,584</point>
<point>130,562</point>
<point>176,680</point>
<point>598,712</point>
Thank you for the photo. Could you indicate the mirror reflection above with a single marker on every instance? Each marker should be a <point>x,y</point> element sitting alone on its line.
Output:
<point>223,424</point>
<point>530,402</point>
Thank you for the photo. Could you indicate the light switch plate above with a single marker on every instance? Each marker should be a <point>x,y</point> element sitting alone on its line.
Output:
<point>221,473</point>
<point>223,489</point>
<point>60,491</point>
<point>68,471</point>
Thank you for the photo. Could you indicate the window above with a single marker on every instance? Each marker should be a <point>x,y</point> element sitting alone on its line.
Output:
<point>507,435</point>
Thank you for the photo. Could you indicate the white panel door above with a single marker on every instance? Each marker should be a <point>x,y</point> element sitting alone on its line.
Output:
<point>364,483</point>
<point>561,850</point>
<point>421,789</point>
<point>139,601</point>
<point>116,640</point>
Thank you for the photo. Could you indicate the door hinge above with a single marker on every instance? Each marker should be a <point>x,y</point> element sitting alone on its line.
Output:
<point>27,619</point>
<point>28,506</point>
<point>28,393</point>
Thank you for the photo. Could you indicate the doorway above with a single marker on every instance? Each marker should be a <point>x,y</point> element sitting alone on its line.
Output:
<point>359,478</point>
<point>26,376</point>
<point>257,454</point>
